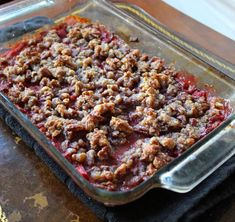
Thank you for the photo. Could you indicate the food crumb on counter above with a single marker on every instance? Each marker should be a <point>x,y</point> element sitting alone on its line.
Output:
<point>133,39</point>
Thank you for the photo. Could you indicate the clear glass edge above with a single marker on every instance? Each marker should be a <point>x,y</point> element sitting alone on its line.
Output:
<point>15,9</point>
<point>104,196</point>
<point>206,155</point>
<point>150,17</point>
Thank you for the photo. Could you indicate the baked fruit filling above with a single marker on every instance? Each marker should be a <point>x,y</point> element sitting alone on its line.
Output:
<point>117,114</point>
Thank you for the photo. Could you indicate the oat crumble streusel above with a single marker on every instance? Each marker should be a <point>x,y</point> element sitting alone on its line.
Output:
<point>118,115</point>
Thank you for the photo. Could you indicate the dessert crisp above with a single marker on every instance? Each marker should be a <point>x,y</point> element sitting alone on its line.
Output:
<point>118,115</point>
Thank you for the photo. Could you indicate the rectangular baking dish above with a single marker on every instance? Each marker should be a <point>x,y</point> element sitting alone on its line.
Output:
<point>186,171</point>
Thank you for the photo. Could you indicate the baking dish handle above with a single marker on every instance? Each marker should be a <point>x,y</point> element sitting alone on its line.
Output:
<point>218,148</point>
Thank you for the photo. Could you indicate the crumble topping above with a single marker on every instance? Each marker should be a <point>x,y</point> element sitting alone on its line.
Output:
<point>117,114</point>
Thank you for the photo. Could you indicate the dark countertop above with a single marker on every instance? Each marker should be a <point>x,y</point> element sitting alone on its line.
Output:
<point>30,192</point>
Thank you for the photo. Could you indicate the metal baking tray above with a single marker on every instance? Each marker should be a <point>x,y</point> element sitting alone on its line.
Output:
<point>204,157</point>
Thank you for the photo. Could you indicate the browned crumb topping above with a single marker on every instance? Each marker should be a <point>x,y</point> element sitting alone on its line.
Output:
<point>116,114</point>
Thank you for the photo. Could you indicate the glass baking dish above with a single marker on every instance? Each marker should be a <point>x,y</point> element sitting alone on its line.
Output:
<point>186,171</point>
